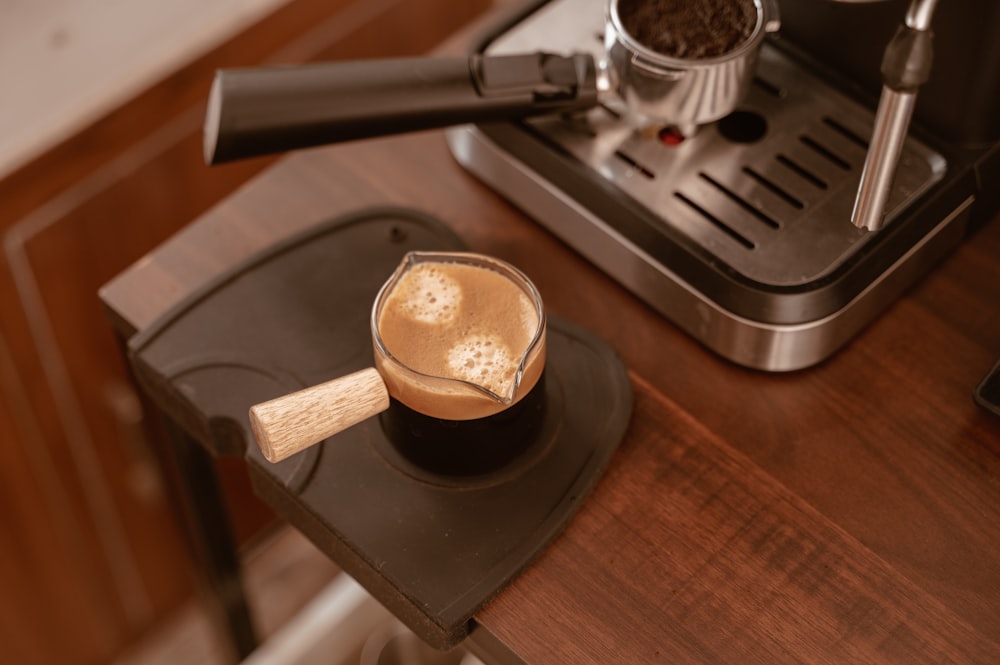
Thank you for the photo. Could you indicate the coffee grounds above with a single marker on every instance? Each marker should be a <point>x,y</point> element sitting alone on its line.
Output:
<point>689,29</point>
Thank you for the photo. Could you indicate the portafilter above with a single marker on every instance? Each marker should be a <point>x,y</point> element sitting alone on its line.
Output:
<point>259,111</point>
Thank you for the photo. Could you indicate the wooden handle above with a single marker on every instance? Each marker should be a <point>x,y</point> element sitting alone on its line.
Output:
<point>285,425</point>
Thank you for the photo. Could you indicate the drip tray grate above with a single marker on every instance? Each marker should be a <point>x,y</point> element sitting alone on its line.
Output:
<point>767,190</point>
<point>739,233</point>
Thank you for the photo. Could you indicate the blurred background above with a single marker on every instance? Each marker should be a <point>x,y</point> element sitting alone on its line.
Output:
<point>100,161</point>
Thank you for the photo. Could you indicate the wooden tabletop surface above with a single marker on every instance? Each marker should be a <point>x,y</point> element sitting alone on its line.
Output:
<point>845,513</point>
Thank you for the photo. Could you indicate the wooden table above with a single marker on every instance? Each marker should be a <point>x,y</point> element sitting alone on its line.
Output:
<point>845,513</point>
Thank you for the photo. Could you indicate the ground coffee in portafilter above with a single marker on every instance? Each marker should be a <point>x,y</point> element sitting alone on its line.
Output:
<point>689,29</point>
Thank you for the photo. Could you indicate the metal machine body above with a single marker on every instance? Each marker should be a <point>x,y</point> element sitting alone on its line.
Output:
<point>740,233</point>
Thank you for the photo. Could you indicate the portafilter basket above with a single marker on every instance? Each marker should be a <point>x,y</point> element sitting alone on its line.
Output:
<point>671,81</point>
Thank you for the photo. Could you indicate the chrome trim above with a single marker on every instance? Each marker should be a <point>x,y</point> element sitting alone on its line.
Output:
<point>755,344</point>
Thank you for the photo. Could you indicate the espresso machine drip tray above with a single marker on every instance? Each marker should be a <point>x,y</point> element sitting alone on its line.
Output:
<point>740,232</point>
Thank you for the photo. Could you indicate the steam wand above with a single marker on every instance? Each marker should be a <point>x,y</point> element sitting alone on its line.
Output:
<point>905,67</point>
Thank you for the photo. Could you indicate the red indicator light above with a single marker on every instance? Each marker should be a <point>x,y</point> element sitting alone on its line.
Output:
<point>669,136</point>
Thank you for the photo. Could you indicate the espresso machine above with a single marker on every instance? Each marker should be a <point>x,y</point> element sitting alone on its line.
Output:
<point>740,230</point>
<point>771,200</point>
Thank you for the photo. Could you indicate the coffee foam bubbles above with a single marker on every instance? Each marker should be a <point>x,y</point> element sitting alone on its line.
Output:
<point>429,296</point>
<point>458,322</point>
<point>484,360</point>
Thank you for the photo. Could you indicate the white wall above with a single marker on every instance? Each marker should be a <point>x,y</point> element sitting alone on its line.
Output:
<point>65,63</point>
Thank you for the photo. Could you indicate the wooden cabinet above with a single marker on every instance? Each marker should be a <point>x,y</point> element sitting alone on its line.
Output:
<point>92,553</point>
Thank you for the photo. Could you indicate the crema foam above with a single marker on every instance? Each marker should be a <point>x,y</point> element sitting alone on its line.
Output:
<point>457,321</point>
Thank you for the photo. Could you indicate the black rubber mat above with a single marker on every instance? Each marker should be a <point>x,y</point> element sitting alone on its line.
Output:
<point>432,547</point>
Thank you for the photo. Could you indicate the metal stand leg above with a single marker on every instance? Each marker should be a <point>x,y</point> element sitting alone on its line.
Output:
<point>194,478</point>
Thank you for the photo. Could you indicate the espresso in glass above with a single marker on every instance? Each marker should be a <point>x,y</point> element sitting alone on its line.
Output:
<point>459,340</point>
<point>459,343</point>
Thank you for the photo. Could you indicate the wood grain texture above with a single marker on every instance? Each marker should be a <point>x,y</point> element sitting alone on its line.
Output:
<point>91,540</point>
<point>850,511</point>
<point>291,423</point>
<point>845,513</point>
<point>711,560</point>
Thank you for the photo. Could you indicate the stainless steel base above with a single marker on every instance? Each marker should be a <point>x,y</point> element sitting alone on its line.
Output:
<point>766,201</point>
<point>753,343</point>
